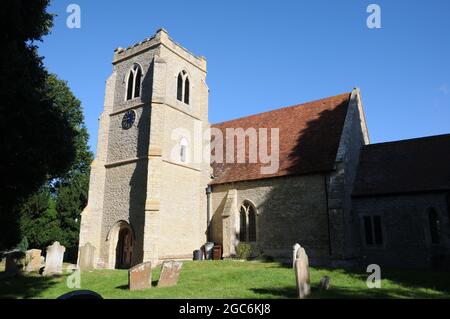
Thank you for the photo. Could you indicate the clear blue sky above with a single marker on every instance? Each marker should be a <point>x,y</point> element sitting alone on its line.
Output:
<point>266,54</point>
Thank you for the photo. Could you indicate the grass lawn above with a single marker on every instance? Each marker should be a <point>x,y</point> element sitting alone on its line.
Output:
<point>234,279</point>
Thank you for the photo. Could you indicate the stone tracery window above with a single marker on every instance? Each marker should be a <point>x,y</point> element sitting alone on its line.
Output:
<point>247,223</point>
<point>183,87</point>
<point>134,82</point>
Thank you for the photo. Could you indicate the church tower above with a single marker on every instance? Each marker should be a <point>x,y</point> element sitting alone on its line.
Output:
<point>147,197</point>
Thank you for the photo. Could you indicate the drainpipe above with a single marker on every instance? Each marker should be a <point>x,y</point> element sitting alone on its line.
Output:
<point>208,213</point>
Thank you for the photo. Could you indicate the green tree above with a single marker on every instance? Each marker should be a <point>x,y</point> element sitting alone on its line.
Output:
<point>71,189</point>
<point>61,200</point>
<point>36,136</point>
<point>39,219</point>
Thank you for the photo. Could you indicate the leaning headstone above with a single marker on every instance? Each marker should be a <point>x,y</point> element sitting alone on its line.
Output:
<point>87,257</point>
<point>54,259</point>
<point>294,253</point>
<point>170,273</point>
<point>33,260</point>
<point>325,283</point>
<point>302,273</point>
<point>140,276</point>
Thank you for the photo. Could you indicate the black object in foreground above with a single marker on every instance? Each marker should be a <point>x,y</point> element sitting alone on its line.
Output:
<point>81,294</point>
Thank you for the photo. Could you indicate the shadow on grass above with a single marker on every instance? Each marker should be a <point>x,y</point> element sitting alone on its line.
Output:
<point>346,293</point>
<point>286,292</point>
<point>125,287</point>
<point>358,293</point>
<point>26,287</point>
<point>411,278</point>
<point>122,287</point>
<point>412,283</point>
<point>429,279</point>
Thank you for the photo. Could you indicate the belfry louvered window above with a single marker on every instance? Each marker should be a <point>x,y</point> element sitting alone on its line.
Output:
<point>183,87</point>
<point>134,82</point>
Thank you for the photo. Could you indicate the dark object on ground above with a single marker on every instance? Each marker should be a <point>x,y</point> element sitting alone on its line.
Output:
<point>198,255</point>
<point>81,294</point>
<point>217,252</point>
<point>208,251</point>
<point>325,283</point>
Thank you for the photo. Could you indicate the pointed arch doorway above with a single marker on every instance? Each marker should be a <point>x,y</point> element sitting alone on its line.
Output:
<point>121,238</point>
<point>124,248</point>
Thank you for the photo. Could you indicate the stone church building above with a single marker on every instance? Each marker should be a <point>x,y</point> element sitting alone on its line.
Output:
<point>345,200</point>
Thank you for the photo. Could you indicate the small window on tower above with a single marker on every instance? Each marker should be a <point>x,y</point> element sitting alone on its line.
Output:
<point>183,150</point>
<point>183,87</point>
<point>137,83</point>
<point>186,91</point>
<point>134,82</point>
<point>180,88</point>
<point>130,86</point>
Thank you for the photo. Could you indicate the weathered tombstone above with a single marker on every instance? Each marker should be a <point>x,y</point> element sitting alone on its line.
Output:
<point>33,260</point>
<point>140,276</point>
<point>87,257</point>
<point>15,261</point>
<point>170,273</point>
<point>294,253</point>
<point>325,283</point>
<point>302,273</point>
<point>54,259</point>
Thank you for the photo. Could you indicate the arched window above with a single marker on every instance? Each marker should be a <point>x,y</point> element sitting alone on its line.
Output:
<point>251,224</point>
<point>134,82</point>
<point>137,83</point>
<point>242,225</point>
<point>130,86</point>
<point>180,88</point>
<point>183,87</point>
<point>247,223</point>
<point>183,150</point>
<point>186,91</point>
<point>434,224</point>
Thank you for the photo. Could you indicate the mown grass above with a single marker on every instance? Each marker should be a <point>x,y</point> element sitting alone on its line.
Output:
<point>237,280</point>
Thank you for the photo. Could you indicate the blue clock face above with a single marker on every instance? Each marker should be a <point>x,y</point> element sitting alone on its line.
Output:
<point>128,119</point>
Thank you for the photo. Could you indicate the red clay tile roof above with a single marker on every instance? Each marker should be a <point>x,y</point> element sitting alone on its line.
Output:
<point>309,136</point>
<point>416,165</point>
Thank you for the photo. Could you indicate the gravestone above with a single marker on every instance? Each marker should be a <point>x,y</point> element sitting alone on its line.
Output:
<point>54,259</point>
<point>302,273</point>
<point>170,273</point>
<point>140,276</point>
<point>294,254</point>
<point>325,283</point>
<point>15,261</point>
<point>33,260</point>
<point>87,257</point>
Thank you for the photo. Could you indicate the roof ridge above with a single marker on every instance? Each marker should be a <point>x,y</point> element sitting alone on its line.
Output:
<point>282,108</point>
<point>409,140</point>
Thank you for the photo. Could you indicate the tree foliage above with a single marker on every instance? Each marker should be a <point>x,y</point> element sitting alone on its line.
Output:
<point>60,201</point>
<point>36,138</point>
<point>41,129</point>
